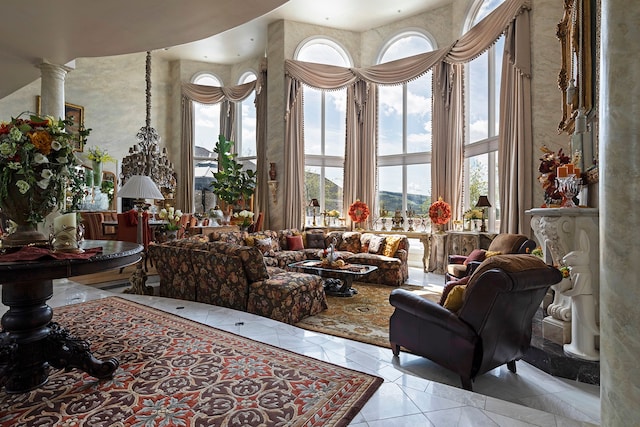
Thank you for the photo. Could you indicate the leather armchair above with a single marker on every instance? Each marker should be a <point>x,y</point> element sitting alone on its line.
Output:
<point>458,266</point>
<point>493,325</point>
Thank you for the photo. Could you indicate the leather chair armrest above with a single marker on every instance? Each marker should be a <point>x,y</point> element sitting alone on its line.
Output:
<point>457,259</point>
<point>471,267</point>
<point>429,311</point>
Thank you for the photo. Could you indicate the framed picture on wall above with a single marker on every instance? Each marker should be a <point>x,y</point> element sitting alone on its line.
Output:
<point>72,112</point>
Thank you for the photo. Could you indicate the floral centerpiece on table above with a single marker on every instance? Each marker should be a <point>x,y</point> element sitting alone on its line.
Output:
<point>473,214</point>
<point>97,154</point>
<point>245,216</point>
<point>172,216</point>
<point>358,211</point>
<point>440,212</point>
<point>36,154</point>
<point>549,163</point>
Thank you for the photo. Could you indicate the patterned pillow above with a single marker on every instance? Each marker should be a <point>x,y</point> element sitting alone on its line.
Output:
<point>376,244</point>
<point>264,245</point>
<point>315,240</point>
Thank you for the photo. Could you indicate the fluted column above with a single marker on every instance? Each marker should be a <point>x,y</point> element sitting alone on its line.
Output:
<point>619,213</point>
<point>52,89</point>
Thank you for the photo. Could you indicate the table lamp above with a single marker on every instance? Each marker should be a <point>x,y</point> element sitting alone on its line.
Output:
<point>483,203</point>
<point>140,188</point>
<point>314,204</point>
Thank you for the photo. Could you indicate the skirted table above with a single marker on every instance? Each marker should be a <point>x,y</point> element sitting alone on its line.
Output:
<point>29,341</point>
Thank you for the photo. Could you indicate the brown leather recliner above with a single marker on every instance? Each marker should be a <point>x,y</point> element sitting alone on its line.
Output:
<point>459,266</point>
<point>493,325</point>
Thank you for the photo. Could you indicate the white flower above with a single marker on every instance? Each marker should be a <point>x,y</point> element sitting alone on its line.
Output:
<point>7,149</point>
<point>43,183</point>
<point>40,158</point>
<point>15,134</point>
<point>23,186</point>
<point>56,145</point>
<point>46,173</point>
<point>14,165</point>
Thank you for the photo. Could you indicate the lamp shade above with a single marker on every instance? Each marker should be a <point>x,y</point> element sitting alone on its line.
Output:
<point>314,203</point>
<point>483,202</point>
<point>140,187</point>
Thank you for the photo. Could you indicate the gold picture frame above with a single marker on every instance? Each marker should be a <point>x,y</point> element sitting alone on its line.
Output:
<point>73,112</point>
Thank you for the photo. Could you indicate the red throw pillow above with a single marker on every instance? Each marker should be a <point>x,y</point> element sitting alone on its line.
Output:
<point>294,243</point>
<point>475,255</point>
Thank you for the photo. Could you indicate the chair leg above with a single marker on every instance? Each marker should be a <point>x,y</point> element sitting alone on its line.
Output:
<point>395,348</point>
<point>466,383</point>
<point>512,366</point>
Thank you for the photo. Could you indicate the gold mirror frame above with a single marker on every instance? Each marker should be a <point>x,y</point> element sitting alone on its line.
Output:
<point>584,73</point>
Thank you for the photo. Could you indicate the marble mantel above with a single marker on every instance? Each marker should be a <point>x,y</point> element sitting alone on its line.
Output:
<point>570,237</point>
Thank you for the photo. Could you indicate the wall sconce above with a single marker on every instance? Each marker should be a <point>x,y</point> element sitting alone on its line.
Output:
<point>483,203</point>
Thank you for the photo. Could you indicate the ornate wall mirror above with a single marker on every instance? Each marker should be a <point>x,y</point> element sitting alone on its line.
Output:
<point>578,32</point>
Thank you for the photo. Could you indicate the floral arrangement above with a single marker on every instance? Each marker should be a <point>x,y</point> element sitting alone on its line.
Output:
<point>566,271</point>
<point>537,252</point>
<point>96,154</point>
<point>440,212</point>
<point>333,213</point>
<point>246,217</point>
<point>172,216</point>
<point>36,155</point>
<point>473,214</point>
<point>549,163</point>
<point>358,211</point>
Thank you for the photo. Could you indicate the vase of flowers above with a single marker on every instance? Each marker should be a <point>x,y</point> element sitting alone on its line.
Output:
<point>172,216</point>
<point>549,163</point>
<point>98,157</point>
<point>440,214</point>
<point>35,156</point>
<point>245,217</point>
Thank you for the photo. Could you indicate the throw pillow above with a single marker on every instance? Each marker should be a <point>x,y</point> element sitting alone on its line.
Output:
<point>450,285</point>
<point>475,255</point>
<point>454,299</point>
<point>315,240</point>
<point>294,243</point>
<point>489,254</point>
<point>376,244</point>
<point>391,245</point>
<point>263,244</point>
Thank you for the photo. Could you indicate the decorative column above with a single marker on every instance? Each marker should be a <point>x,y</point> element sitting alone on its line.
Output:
<point>619,201</point>
<point>52,89</point>
<point>569,237</point>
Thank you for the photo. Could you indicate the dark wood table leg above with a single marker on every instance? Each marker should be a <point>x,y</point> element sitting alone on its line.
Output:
<point>345,290</point>
<point>30,342</point>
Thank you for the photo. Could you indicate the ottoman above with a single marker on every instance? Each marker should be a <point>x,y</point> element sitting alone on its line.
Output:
<point>287,297</point>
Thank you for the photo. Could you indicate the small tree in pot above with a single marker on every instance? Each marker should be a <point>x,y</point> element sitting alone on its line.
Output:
<point>232,184</point>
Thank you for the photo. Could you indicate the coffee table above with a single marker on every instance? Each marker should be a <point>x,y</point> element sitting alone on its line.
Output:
<point>338,280</point>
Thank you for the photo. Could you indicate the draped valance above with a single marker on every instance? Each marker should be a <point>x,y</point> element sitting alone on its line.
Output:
<point>213,94</point>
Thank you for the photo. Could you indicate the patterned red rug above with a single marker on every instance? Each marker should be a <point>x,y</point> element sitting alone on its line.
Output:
<point>176,372</point>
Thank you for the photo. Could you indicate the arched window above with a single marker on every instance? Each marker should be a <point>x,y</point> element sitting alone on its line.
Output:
<point>482,115</point>
<point>324,130</point>
<point>206,120</point>
<point>404,132</point>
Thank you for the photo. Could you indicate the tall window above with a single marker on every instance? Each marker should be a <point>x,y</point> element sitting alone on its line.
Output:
<point>324,130</point>
<point>404,132</point>
<point>206,120</point>
<point>246,116</point>
<point>482,102</point>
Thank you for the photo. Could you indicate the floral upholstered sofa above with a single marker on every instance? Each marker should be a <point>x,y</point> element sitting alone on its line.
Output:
<point>234,276</point>
<point>280,248</point>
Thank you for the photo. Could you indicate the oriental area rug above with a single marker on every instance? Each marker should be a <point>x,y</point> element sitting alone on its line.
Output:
<point>176,372</point>
<point>363,317</point>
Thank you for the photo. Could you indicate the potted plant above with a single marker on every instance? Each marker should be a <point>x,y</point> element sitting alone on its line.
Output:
<point>232,184</point>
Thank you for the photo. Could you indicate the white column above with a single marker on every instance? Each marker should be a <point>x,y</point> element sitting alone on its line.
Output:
<point>52,89</point>
<point>619,214</point>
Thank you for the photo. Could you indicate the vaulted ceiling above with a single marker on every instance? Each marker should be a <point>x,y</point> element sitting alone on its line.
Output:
<point>217,31</point>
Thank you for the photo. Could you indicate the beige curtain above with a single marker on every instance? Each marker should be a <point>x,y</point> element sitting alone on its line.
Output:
<point>447,153</point>
<point>360,165</point>
<point>293,179</point>
<point>262,192</point>
<point>192,92</point>
<point>448,142</point>
<point>516,135</point>
<point>228,120</point>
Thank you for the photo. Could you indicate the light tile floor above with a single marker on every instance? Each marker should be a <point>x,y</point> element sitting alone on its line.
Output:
<point>416,392</point>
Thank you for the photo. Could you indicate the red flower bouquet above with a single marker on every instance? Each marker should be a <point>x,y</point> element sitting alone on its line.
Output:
<point>440,212</point>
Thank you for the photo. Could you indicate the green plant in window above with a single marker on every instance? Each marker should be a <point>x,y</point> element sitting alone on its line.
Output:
<point>232,182</point>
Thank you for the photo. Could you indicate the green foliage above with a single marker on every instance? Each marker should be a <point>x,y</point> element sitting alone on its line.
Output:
<point>231,183</point>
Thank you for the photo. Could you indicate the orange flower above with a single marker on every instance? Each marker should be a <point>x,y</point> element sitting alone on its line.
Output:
<point>42,141</point>
<point>358,211</point>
